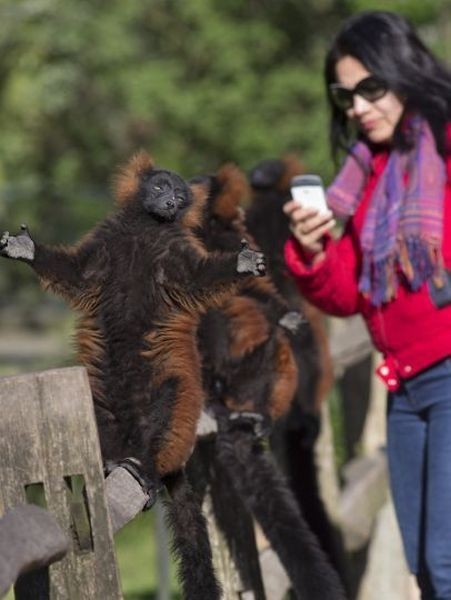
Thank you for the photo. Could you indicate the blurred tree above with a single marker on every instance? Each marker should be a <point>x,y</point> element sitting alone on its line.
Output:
<point>85,84</point>
<point>418,11</point>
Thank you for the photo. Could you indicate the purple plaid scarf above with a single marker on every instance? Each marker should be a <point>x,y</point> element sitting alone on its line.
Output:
<point>402,231</point>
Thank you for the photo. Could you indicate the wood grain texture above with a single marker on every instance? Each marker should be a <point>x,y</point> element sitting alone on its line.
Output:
<point>48,435</point>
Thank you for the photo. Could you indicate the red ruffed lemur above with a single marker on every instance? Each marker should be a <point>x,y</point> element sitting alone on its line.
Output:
<point>251,376</point>
<point>140,280</point>
<point>294,435</point>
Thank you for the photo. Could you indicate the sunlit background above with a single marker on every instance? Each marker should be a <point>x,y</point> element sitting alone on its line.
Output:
<point>86,83</point>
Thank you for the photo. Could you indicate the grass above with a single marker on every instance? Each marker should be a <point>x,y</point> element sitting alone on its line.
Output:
<point>139,559</point>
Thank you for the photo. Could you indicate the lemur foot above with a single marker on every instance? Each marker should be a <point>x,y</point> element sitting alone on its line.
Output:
<point>257,423</point>
<point>19,247</point>
<point>250,261</point>
<point>134,467</point>
<point>292,321</point>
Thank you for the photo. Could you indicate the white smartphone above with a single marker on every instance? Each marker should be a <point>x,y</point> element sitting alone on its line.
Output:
<point>308,190</point>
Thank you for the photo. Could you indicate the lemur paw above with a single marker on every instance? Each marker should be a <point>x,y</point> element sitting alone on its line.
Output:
<point>259,424</point>
<point>256,423</point>
<point>292,321</point>
<point>134,467</point>
<point>19,247</point>
<point>250,261</point>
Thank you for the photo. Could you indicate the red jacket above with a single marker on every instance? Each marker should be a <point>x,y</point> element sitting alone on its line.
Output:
<point>409,331</point>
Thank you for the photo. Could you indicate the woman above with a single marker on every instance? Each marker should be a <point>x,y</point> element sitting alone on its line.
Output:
<point>390,102</point>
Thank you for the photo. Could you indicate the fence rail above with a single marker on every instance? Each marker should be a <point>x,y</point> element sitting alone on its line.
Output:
<point>45,460</point>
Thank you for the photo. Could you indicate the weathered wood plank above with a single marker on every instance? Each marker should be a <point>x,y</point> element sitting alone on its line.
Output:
<point>22,460</point>
<point>49,437</point>
<point>349,343</point>
<point>363,496</point>
<point>386,574</point>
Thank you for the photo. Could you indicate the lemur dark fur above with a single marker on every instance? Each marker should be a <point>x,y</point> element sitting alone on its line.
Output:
<point>294,435</point>
<point>251,375</point>
<point>268,226</point>
<point>243,336</point>
<point>141,280</point>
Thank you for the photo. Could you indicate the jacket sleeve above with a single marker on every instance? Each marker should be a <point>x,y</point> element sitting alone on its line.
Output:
<point>332,284</point>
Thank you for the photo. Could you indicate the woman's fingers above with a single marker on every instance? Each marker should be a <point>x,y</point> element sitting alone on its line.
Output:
<point>308,225</point>
<point>310,232</point>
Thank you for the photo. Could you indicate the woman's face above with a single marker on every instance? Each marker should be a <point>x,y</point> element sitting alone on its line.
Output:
<point>376,119</point>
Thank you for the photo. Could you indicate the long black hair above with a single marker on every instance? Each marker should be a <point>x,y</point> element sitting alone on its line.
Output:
<point>388,46</point>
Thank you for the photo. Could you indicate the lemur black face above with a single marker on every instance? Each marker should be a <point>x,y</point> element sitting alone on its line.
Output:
<point>164,194</point>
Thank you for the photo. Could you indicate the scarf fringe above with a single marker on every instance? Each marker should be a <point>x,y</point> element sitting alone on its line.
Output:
<point>417,260</point>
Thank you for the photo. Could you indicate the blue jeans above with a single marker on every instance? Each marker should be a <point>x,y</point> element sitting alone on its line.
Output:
<point>419,459</point>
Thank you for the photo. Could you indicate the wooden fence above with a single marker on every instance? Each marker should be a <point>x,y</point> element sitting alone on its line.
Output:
<point>50,457</point>
<point>358,497</point>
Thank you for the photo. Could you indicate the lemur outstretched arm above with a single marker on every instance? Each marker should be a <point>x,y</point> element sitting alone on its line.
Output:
<point>66,270</point>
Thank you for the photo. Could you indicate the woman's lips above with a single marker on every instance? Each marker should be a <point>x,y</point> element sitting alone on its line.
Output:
<point>369,125</point>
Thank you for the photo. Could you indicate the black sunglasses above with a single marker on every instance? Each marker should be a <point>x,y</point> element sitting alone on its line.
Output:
<point>371,88</point>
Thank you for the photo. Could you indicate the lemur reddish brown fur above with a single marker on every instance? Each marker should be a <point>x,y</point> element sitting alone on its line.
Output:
<point>251,374</point>
<point>252,313</point>
<point>141,279</point>
<point>294,436</point>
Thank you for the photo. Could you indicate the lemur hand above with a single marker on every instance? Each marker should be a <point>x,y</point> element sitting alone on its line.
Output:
<point>19,247</point>
<point>292,321</point>
<point>250,261</point>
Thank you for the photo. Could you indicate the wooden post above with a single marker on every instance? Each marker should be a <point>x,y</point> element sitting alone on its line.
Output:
<point>51,457</point>
<point>387,575</point>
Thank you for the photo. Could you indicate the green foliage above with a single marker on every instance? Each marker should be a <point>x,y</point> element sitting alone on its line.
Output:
<point>137,552</point>
<point>85,84</point>
<point>418,11</point>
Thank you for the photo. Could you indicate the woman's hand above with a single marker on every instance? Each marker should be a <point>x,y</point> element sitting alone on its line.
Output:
<point>308,227</point>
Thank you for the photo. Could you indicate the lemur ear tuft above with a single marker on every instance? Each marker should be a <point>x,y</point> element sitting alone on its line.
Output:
<point>199,191</point>
<point>233,192</point>
<point>291,166</point>
<point>126,180</point>
<point>266,174</point>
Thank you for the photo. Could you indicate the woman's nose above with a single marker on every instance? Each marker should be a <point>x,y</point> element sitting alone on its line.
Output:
<point>360,105</point>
